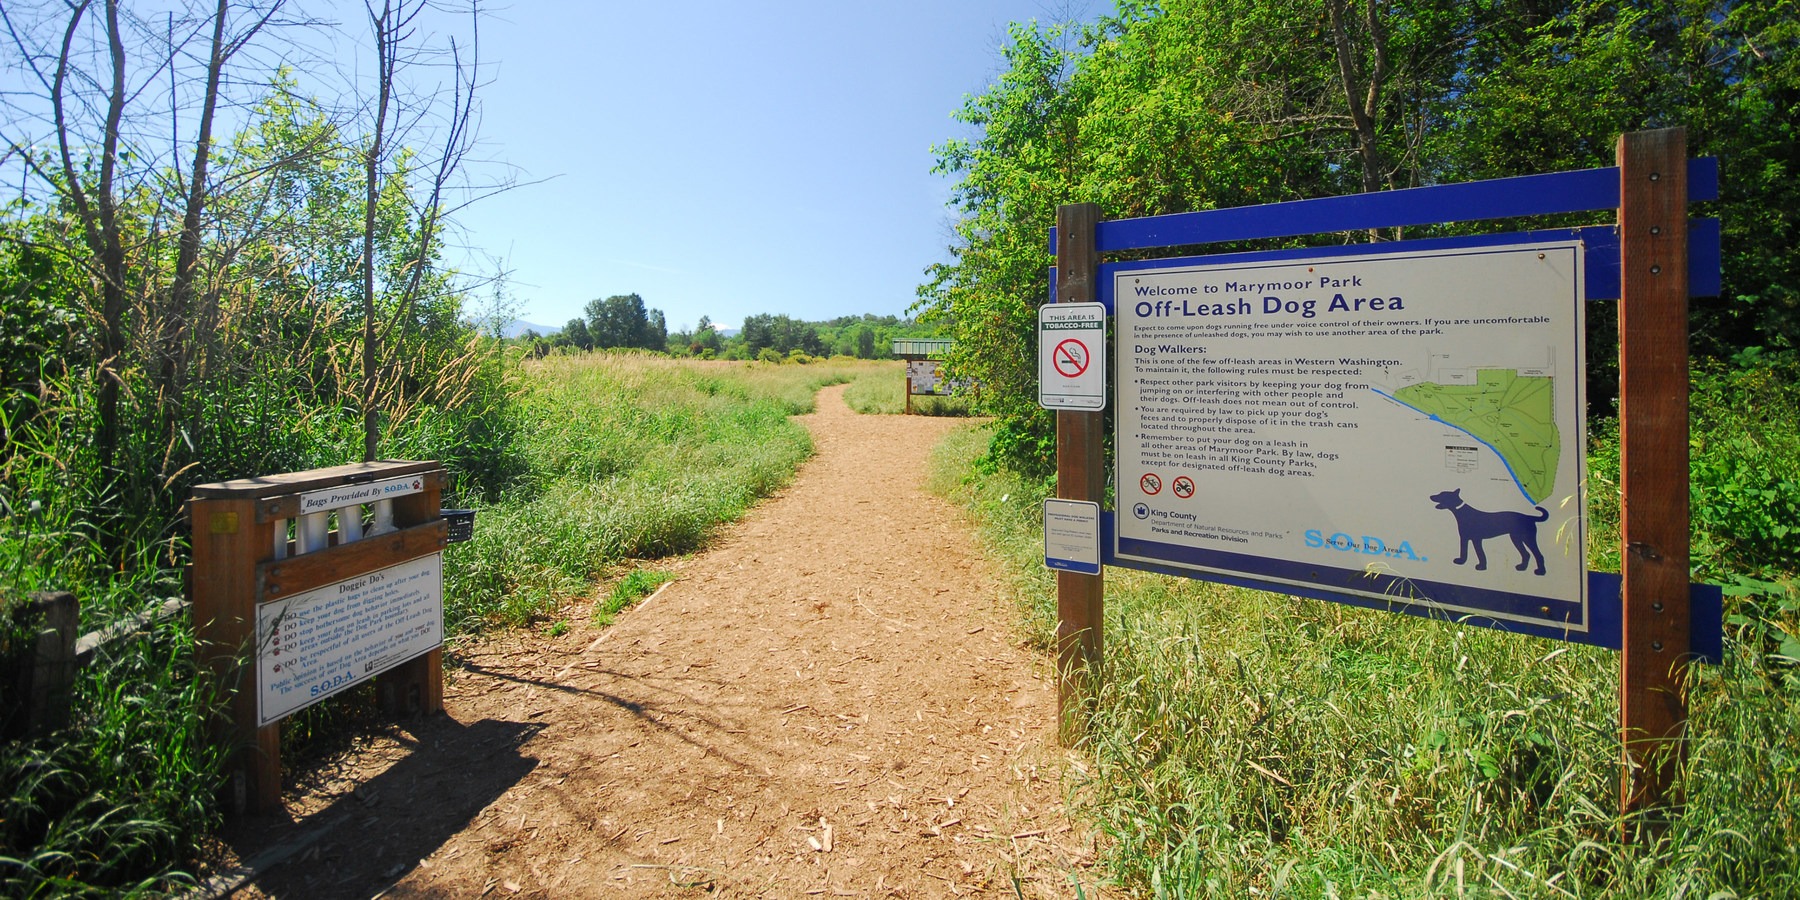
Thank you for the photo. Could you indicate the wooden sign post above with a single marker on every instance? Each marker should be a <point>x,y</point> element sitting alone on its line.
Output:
<point>1653,463</point>
<point>1080,475</point>
<point>245,561</point>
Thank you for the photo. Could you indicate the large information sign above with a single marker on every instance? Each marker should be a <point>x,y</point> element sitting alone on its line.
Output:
<point>923,375</point>
<point>1401,427</point>
<point>315,644</point>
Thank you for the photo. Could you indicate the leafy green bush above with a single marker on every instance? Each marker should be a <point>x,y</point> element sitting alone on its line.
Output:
<point>1744,468</point>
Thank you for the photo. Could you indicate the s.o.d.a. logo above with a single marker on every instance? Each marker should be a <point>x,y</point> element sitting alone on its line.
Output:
<point>1362,545</point>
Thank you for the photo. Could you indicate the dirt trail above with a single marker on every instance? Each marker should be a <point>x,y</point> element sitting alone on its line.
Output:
<point>830,702</point>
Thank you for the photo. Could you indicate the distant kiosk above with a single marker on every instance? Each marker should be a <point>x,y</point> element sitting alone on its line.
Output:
<point>923,378</point>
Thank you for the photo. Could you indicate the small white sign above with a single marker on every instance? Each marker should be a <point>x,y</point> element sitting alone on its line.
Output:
<point>1072,536</point>
<point>1072,356</point>
<point>343,495</point>
<point>316,644</point>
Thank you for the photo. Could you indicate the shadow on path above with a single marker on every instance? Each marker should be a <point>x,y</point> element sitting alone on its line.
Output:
<point>355,847</point>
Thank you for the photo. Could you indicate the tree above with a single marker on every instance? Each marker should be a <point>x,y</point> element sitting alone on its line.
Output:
<point>706,338</point>
<point>392,28</point>
<point>575,334</point>
<point>180,314</point>
<point>656,333</point>
<point>757,333</point>
<point>1011,179</point>
<point>622,321</point>
<point>1186,105</point>
<point>113,179</point>
<point>865,342</point>
<point>1729,72</point>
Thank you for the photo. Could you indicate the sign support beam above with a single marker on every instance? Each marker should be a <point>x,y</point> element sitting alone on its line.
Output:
<point>1080,475</point>
<point>227,542</point>
<point>1653,462</point>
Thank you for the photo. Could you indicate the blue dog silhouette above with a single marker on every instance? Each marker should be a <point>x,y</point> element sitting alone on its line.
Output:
<point>1474,526</point>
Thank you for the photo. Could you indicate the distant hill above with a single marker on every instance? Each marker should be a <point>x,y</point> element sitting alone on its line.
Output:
<point>517,327</point>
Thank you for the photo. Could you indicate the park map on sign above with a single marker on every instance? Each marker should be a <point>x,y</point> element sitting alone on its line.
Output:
<point>1513,414</point>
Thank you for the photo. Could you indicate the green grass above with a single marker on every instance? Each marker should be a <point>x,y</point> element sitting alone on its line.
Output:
<point>627,591</point>
<point>629,457</point>
<point>1253,744</point>
<point>605,459</point>
<point>885,394</point>
<point>114,804</point>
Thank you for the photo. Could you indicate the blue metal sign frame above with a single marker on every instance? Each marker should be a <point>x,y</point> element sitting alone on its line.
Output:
<point>1556,193</point>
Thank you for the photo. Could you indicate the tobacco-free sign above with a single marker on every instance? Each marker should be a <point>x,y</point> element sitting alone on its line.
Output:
<point>1072,356</point>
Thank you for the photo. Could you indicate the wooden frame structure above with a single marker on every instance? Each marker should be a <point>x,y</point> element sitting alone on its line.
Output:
<point>918,350</point>
<point>244,557</point>
<point>1650,188</point>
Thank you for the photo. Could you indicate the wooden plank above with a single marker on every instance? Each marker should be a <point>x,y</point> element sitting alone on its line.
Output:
<point>1653,461</point>
<point>227,542</point>
<point>1080,475</point>
<point>415,687</point>
<point>313,479</point>
<point>287,506</point>
<point>278,579</point>
<point>92,642</point>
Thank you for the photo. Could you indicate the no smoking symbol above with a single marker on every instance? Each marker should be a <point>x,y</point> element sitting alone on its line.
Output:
<point>1070,358</point>
<point>1184,487</point>
<point>1151,484</point>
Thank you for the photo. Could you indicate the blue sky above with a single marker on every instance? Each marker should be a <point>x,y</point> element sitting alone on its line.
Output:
<point>729,158</point>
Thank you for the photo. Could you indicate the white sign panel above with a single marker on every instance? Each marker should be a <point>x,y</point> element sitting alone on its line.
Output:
<point>1072,356</point>
<point>316,644</point>
<point>1072,535</point>
<point>351,494</point>
<point>1407,428</point>
<point>922,374</point>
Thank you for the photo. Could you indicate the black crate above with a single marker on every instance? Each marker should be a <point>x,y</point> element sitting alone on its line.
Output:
<point>461,523</point>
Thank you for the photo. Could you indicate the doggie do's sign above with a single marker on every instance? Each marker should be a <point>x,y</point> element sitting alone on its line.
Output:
<point>1406,428</point>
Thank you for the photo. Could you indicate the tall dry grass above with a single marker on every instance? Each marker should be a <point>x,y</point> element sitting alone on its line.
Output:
<point>1250,744</point>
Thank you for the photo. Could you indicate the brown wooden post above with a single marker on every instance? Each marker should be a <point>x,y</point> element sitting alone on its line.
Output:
<point>1080,475</point>
<point>415,687</point>
<point>228,543</point>
<point>1653,462</point>
<point>908,377</point>
<point>57,618</point>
